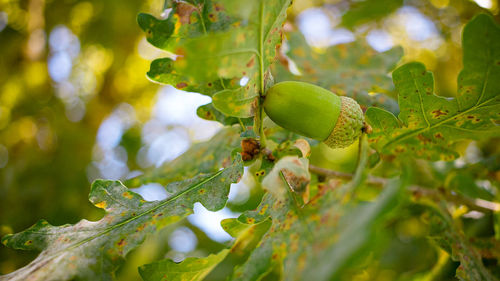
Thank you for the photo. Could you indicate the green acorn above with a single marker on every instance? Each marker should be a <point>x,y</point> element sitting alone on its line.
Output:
<point>315,112</point>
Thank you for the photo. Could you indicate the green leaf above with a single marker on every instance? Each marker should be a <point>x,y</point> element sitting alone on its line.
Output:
<point>93,250</point>
<point>353,70</point>
<point>163,71</point>
<point>465,184</point>
<point>369,10</point>
<point>448,235</point>
<point>197,268</point>
<point>235,102</point>
<point>208,112</point>
<point>223,53</point>
<point>194,269</point>
<point>316,240</point>
<point>431,124</point>
<point>188,19</point>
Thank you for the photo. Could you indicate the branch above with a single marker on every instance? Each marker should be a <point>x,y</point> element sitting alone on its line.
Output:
<point>473,204</point>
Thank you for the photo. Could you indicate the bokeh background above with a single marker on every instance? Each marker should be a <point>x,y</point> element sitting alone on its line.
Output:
<point>75,105</point>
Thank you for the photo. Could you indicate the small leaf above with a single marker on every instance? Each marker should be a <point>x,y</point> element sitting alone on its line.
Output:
<point>194,269</point>
<point>365,11</point>
<point>208,112</point>
<point>447,234</point>
<point>198,268</point>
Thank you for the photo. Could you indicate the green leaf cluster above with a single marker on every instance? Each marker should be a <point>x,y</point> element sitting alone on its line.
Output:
<point>312,223</point>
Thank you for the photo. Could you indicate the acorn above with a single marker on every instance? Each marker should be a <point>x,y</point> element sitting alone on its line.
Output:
<point>315,112</point>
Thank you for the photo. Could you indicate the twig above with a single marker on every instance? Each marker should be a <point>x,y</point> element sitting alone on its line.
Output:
<point>346,176</point>
<point>473,204</point>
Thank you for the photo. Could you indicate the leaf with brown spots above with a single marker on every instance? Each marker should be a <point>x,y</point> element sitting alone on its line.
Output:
<point>93,250</point>
<point>187,19</point>
<point>243,49</point>
<point>314,241</point>
<point>447,234</point>
<point>432,124</point>
<point>353,70</point>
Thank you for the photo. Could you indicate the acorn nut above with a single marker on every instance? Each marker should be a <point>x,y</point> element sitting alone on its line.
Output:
<point>315,112</point>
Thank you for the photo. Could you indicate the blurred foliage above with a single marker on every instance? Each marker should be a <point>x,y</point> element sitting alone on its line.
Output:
<point>48,129</point>
<point>68,67</point>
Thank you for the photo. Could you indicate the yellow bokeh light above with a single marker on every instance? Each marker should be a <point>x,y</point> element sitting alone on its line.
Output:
<point>35,74</point>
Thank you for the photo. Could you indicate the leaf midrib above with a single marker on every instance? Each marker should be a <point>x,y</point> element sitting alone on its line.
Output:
<point>175,197</point>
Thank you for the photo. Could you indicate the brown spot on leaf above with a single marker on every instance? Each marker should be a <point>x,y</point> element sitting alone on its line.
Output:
<point>121,243</point>
<point>251,62</point>
<point>184,11</point>
<point>181,85</point>
<point>260,173</point>
<point>140,228</point>
<point>423,139</point>
<point>263,210</point>
<point>249,149</point>
<point>208,115</point>
<point>399,149</point>
<point>127,195</point>
<point>298,183</point>
<point>218,7</point>
<point>212,17</point>
<point>438,112</point>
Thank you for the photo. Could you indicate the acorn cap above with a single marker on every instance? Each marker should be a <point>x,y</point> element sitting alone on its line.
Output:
<point>349,124</point>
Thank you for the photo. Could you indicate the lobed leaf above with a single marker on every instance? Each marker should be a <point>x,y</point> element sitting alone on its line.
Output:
<point>239,40</point>
<point>431,124</point>
<point>314,241</point>
<point>198,268</point>
<point>194,269</point>
<point>354,70</point>
<point>448,235</point>
<point>93,250</point>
